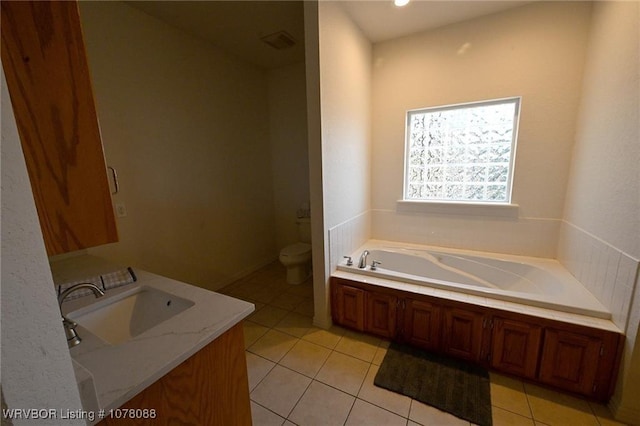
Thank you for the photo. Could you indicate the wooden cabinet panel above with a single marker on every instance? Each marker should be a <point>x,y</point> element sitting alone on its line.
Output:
<point>47,74</point>
<point>570,360</point>
<point>575,358</point>
<point>210,388</point>
<point>350,307</point>
<point>515,347</point>
<point>381,314</point>
<point>422,324</point>
<point>462,333</point>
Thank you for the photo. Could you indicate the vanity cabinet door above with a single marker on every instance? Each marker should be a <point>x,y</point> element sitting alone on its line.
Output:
<point>422,324</point>
<point>381,314</point>
<point>462,334</point>
<point>348,309</point>
<point>570,360</point>
<point>515,347</point>
<point>45,64</point>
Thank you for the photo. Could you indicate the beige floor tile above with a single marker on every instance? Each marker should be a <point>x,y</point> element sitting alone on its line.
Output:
<point>257,368</point>
<point>268,316</point>
<point>395,402</point>
<point>264,294</point>
<point>555,408</point>
<point>507,418</point>
<point>427,415</point>
<point>273,345</point>
<point>288,423</point>
<point>280,390</point>
<point>305,290</point>
<point>287,301</point>
<point>327,338</point>
<point>365,414</point>
<point>379,356</point>
<point>252,332</point>
<point>358,345</point>
<point>305,308</point>
<point>604,415</point>
<point>263,417</point>
<point>295,324</point>
<point>412,423</point>
<point>343,372</point>
<point>306,358</point>
<point>509,394</point>
<point>242,293</point>
<point>322,405</point>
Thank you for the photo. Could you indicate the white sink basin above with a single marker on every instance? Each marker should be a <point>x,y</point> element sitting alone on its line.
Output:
<point>124,316</point>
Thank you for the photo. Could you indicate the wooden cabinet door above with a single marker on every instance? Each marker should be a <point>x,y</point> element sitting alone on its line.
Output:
<point>462,333</point>
<point>350,306</point>
<point>570,360</point>
<point>381,314</point>
<point>515,347</point>
<point>45,64</point>
<point>422,324</point>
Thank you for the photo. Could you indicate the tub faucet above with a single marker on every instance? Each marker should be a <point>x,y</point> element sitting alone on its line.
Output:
<point>363,259</point>
<point>69,325</point>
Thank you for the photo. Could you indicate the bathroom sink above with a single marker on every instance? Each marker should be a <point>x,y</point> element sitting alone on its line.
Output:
<point>124,316</point>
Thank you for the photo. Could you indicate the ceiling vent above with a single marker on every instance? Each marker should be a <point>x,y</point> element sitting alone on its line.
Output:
<point>279,40</point>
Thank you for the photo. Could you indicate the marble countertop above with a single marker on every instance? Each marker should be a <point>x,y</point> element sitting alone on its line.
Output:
<point>122,371</point>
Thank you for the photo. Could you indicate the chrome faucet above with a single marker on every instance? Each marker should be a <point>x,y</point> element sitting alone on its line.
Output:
<point>363,259</point>
<point>69,325</point>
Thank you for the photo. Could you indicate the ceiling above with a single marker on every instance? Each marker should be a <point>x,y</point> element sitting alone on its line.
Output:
<point>237,26</point>
<point>382,20</point>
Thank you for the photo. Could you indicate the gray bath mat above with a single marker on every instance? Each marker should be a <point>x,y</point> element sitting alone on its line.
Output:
<point>450,385</point>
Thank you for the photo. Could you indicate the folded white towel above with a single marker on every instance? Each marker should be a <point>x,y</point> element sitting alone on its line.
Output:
<point>103,282</point>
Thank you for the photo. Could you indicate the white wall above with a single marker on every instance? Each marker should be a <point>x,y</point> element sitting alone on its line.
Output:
<point>187,127</point>
<point>600,238</point>
<point>535,51</point>
<point>289,150</point>
<point>36,366</point>
<point>345,96</point>
<point>345,70</point>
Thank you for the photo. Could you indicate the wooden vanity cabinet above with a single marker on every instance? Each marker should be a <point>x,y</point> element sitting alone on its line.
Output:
<point>422,323</point>
<point>574,358</point>
<point>44,60</point>
<point>348,306</point>
<point>209,388</point>
<point>463,333</point>
<point>581,360</point>
<point>381,314</point>
<point>515,346</point>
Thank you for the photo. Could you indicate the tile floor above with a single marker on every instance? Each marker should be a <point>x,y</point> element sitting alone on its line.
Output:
<point>303,375</point>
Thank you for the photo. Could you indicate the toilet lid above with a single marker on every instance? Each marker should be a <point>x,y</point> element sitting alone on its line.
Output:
<point>296,249</point>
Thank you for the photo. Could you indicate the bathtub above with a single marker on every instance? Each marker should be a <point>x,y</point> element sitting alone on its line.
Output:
<point>531,281</point>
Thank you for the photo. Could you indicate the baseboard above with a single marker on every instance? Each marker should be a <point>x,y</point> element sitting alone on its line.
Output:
<point>624,414</point>
<point>245,272</point>
<point>322,321</point>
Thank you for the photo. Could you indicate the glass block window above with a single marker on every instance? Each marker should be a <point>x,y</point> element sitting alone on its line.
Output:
<point>461,152</point>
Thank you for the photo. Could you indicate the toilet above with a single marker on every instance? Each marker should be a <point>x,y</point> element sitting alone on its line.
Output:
<point>297,257</point>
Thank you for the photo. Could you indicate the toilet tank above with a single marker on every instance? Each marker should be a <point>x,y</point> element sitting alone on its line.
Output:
<point>304,229</point>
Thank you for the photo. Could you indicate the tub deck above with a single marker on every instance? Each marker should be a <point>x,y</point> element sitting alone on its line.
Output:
<point>537,285</point>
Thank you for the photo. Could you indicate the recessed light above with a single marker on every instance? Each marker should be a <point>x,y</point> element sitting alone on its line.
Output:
<point>401,3</point>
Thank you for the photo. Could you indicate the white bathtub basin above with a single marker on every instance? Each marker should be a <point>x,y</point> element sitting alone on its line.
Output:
<point>531,281</point>
<point>119,318</point>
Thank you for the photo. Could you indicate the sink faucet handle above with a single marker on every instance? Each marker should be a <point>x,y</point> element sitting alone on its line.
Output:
<point>374,265</point>
<point>349,260</point>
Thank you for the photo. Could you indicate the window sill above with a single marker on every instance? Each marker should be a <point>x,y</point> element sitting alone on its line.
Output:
<point>459,208</point>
